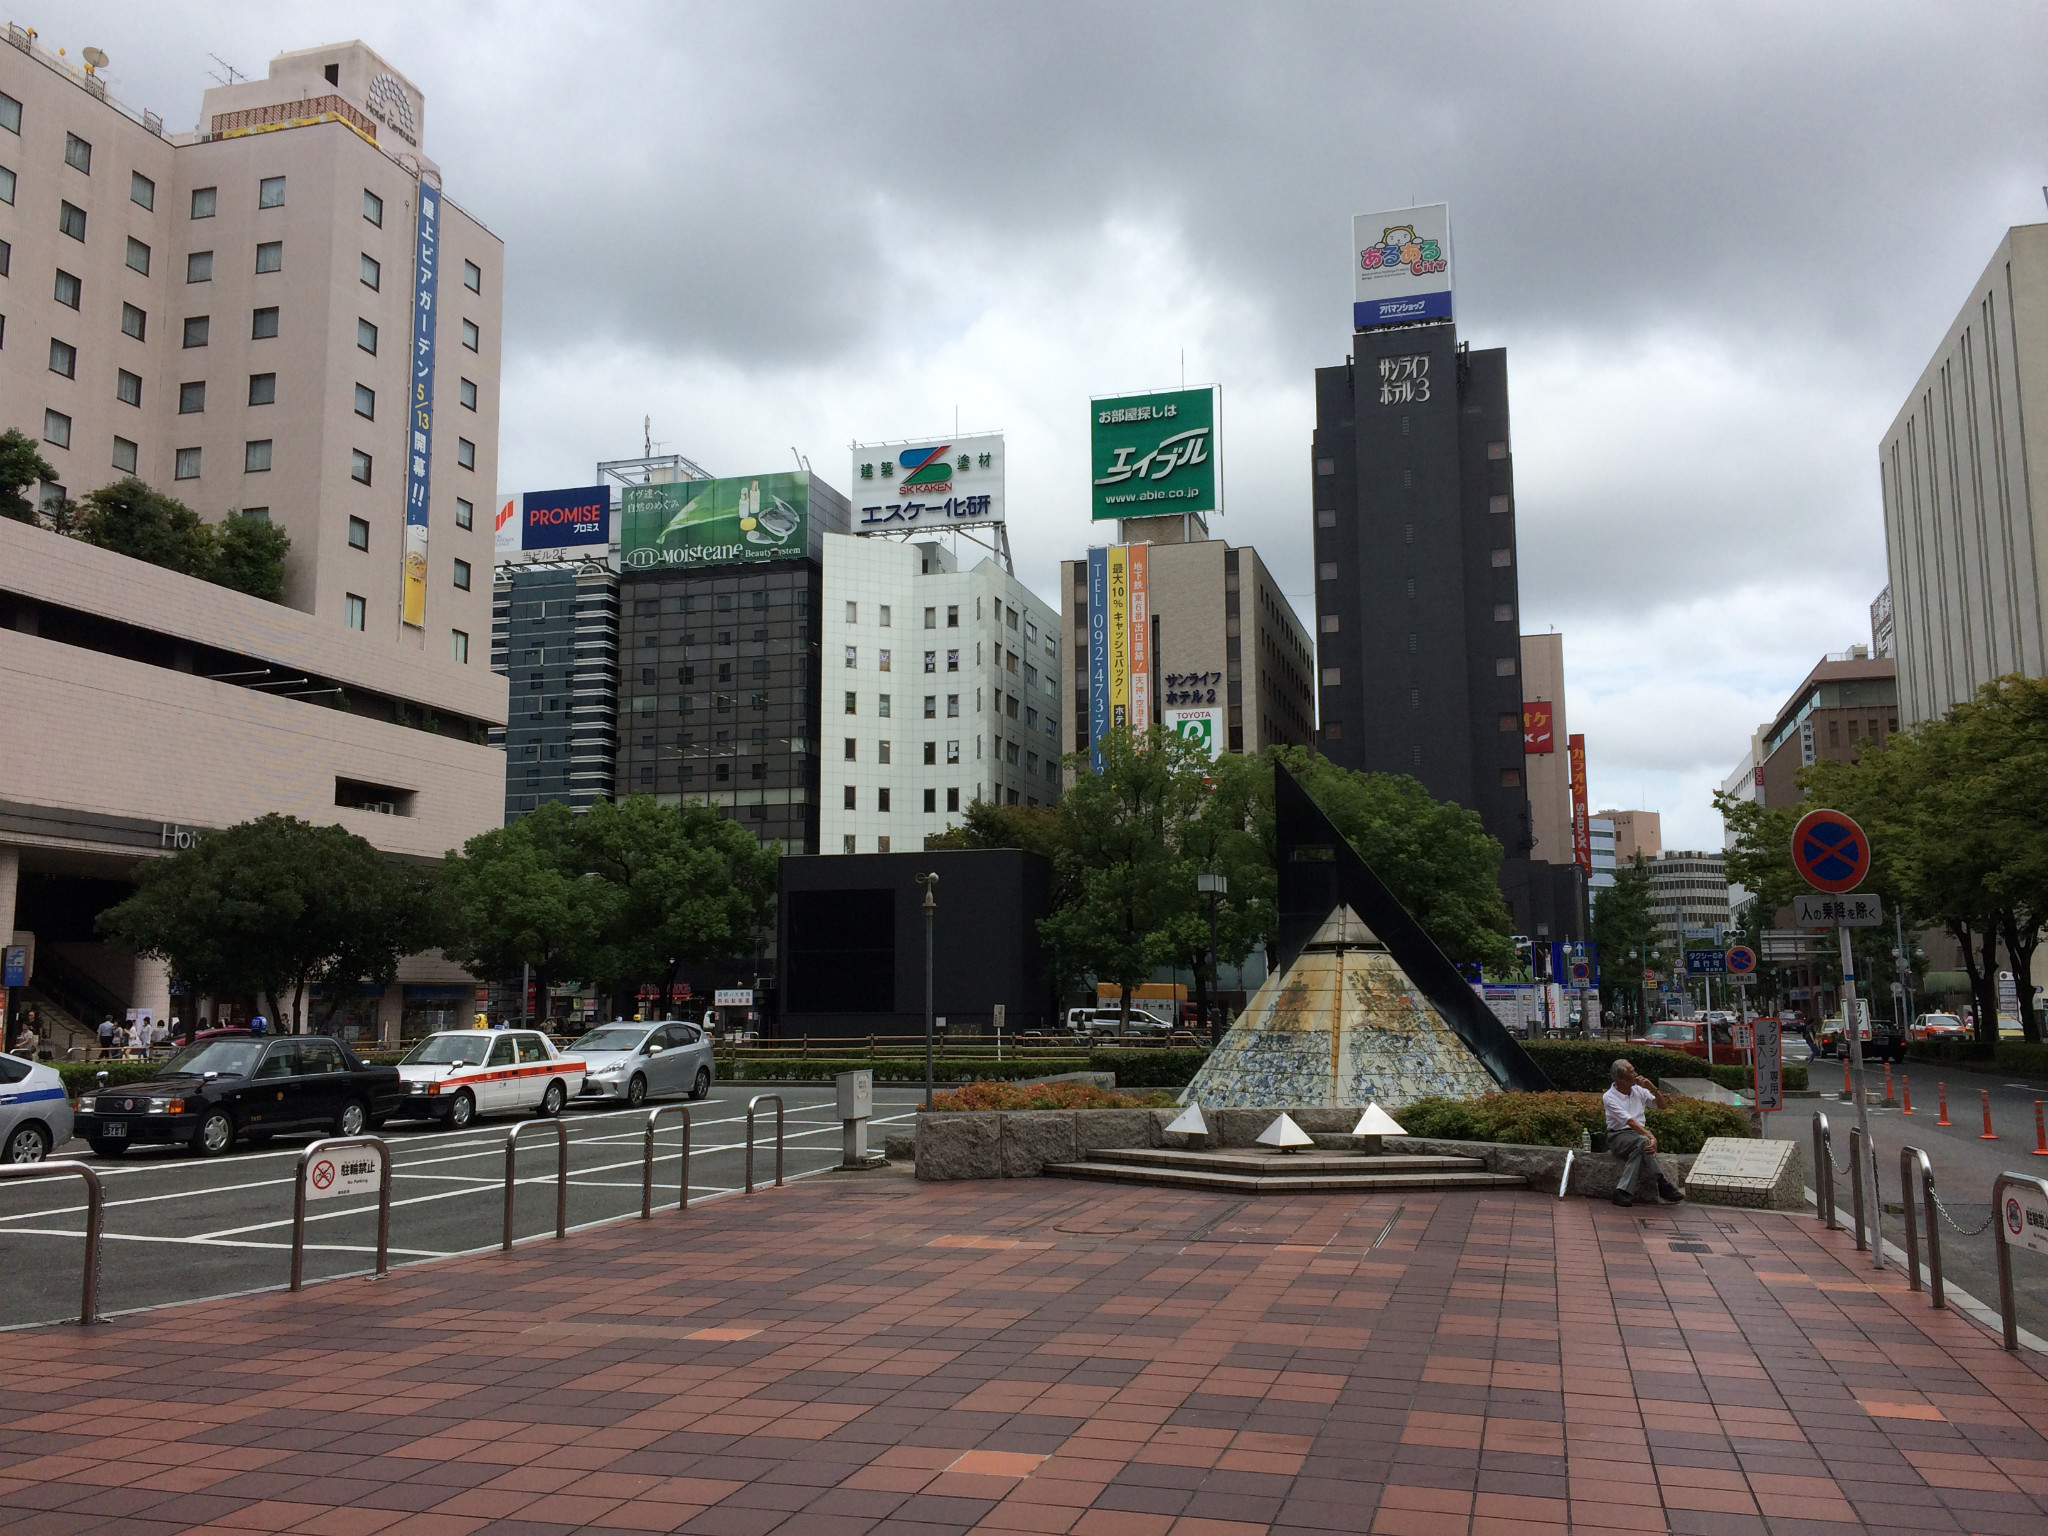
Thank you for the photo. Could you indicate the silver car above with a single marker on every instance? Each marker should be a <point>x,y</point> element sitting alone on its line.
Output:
<point>35,1111</point>
<point>630,1063</point>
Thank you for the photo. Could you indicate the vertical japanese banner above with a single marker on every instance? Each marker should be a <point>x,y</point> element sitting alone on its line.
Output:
<point>1582,822</point>
<point>1119,637</point>
<point>1141,641</point>
<point>1098,653</point>
<point>419,456</point>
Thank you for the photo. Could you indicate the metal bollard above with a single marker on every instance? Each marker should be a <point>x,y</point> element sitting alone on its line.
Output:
<point>1856,1184</point>
<point>1914,1167</point>
<point>647,1160</point>
<point>2005,1218</point>
<point>89,1297</point>
<point>753,1104</point>
<point>334,1144</point>
<point>561,1175</point>
<point>1824,1171</point>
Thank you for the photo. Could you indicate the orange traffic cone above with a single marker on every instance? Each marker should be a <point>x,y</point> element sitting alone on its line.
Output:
<point>1906,1088</point>
<point>1887,1082</point>
<point>1942,1090</point>
<point>2040,1132</point>
<point>1989,1134</point>
<point>1845,1074</point>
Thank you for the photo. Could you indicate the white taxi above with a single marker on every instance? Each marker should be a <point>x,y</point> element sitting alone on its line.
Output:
<point>458,1074</point>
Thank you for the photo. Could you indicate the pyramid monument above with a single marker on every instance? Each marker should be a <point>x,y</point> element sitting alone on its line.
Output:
<point>1361,1005</point>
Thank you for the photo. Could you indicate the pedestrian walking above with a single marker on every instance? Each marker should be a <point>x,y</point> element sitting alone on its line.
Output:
<point>1628,1136</point>
<point>160,1033</point>
<point>108,1028</point>
<point>30,1042</point>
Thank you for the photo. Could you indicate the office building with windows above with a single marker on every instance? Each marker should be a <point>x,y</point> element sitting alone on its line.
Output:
<point>940,688</point>
<point>1847,699</point>
<point>227,314</point>
<point>1689,897</point>
<point>1223,636</point>
<point>555,636</point>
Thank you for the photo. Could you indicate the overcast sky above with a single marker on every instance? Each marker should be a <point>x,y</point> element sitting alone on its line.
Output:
<point>1719,243</point>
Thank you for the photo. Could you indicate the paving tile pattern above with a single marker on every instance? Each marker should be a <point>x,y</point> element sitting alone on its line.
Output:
<point>1039,1356</point>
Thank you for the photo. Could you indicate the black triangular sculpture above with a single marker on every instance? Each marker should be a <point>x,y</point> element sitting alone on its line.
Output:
<point>1318,868</point>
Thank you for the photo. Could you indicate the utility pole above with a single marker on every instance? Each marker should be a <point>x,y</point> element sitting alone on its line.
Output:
<point>931,907</point>
<point>1212,885</point>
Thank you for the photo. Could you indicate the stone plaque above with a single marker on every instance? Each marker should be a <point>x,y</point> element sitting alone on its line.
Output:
<point>1765,1175</point>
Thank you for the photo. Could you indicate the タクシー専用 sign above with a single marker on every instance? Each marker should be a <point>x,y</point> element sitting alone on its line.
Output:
<point>714,522</point>
<point>932,483</point>
<point>1154,455</point>
<point>1401,266</point>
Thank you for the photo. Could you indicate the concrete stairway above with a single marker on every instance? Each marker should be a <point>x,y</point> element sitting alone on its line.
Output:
<point>1258,1172</point>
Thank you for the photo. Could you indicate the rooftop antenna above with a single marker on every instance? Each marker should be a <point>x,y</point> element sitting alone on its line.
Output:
<point>802,463</point>
<point>94,59</point>
<point>233,74</point>
<point>647,436</point>
<point>1183,367</point>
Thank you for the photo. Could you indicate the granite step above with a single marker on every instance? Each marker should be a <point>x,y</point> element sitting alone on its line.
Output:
<point>1259,1162</point>
<point>1268,1181</point>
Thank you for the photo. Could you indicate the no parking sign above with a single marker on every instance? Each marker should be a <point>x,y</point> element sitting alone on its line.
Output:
<point>355,1170</point>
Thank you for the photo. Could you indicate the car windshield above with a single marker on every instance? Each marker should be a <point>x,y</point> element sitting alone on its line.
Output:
<point>1671,1032</point>
<point>613,1038</point>
<point>468,1047</point>
<point>229,1058</point>
<point>1940,1018</point>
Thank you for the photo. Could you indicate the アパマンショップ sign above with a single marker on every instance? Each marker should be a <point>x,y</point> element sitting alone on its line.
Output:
<point>1401,266</point>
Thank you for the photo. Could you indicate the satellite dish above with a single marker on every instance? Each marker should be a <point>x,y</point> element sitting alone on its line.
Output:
<point>95,58</point>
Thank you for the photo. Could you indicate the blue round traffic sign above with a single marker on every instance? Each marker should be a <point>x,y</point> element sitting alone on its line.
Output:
<point>1830,851</point>
<point>1741,960</point>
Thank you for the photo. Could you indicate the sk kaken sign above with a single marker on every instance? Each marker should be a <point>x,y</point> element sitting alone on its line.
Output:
<point>939,483</point>
<point>714,522</point>
<point>1155,455</point>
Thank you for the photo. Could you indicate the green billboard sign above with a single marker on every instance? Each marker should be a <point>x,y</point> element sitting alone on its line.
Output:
<point>714,522</point>
<point>1154,455</point>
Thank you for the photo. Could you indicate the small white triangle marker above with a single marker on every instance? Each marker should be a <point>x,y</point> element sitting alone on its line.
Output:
<point>1189,1122</point>
<point>1377,1122</point>
<point>1285,1135</point>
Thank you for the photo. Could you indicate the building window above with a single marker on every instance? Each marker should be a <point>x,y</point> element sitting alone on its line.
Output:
<point>1496,504</point>
<point>931,661</point>
<point>263,323</point>
<point>849,799</point>
<point>1503,557</point>
<point>846,843</point>
<point>882,705</point>
<point>196,329</point>
<point>1496,450</point>
<point>931,618</point>
<point>853,613</point>
<point>852,656</point>
<point>359,466</point>
<point>57,428</point>
<point>466,394</point>
<point>952,751</point>
<point>1511,778</point>
<point>882,799</point>
<point>851,707</point>
<point>10,113</point>
<point>952,706</point>
<point>953,615</point>
<point>68,289</point>
<point>1327,623</point>
<point>187,464</point>
<point>883,619</point>
<point>270,256</point>
<point>63,358</point>
<point>462,575</point>
<point>1326,517</point>
<point>882,751</point>
<point>373,208</point>
<point>882,661</point>
<point>203,201</point>
<point>6,185</point>
<point>465,453</point>
<point>124,455</point>
<point>199,267</point>
<point>1504,613</point>
<point>128,387</point>
<point>270,192</point>
<point>458,646</point>
<point>358,533</point>
<point>138,256</point>
<point>263,389</point>
<point>952,799</point>
<point>853,749</point>
<point>952,661</point>
<point>366,337</point>
<point>355,615</point>
<point>931,802</point>
<point>1333,677</point>
<point>371,273</point>
<point>1504,666</point>
<point>931,706</point>
<point>366,402</point>
<point>465,514</point>
<point>192,398</point>
<point>6,259</point>
<point>256,456</point>
<point>77,153</point>
<point>1327,571</point>
<point>471,337</point>
<point>472,277</point>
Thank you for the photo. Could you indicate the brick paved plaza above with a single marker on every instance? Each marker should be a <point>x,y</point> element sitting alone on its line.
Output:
<point>878,1355</point>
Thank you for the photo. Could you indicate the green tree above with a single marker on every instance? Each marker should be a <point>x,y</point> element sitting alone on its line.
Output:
<point>132,519</point>
<point>1631,942</point>
<point>273,906</point>
<point>21,465</point>
<point>248,556</point>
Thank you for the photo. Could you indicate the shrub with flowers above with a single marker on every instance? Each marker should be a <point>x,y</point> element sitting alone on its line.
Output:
<point>991,1095</point>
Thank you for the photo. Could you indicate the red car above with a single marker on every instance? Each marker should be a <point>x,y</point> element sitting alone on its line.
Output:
<point>1690,1036</point>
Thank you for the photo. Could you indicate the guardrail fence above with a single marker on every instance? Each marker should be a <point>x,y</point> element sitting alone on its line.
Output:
<point>561,1175</point>
<point>326,1173</point>
<point>752,1104</point>
<point>647,1160</point>
<point>89,1297</point>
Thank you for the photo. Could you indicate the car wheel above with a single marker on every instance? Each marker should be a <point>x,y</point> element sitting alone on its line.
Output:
<point>352,1119</point>
<point>552,1101</point>
<point>636,1092</point>
<point>216,1134</point>
<point>106,1148</point>
<point>28,1144</point>
<point>702,1087</point>
<point>462,1110</point>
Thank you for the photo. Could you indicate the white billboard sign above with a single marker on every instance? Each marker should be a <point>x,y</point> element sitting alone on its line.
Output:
<point>932,482</point>
<point>1201,726</point>
<point>1401,266</point>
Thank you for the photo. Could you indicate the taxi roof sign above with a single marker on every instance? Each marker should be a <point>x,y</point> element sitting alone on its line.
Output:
<point>1830,851</point>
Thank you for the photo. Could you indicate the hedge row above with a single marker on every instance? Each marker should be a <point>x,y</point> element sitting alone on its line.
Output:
<point>1046,1096</point>
<point>81,1075</point>
<point>2014,1056</point>
<point>1166,1066</point>
<point>891,1069</point>
<point>1559,1119</point>
<point>1587,1066</point>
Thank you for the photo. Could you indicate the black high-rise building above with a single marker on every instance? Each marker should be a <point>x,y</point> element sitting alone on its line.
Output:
<point>1417,605</point>
<point>555,636</point>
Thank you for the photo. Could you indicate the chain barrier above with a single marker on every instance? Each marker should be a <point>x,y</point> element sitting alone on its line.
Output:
<point>1984,1226</point>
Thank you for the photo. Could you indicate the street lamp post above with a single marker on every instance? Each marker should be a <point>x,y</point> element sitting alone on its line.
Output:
<point>931,907</point>
<point>1212,885</point>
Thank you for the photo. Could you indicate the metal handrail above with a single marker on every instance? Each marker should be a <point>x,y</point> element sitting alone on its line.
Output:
<point>561,1175</point>
<point>647,1160</point>
<point>752,1104</point>
<point>1856,1185</point>
<point>1824,1172</point>
<point>330,1144</point>
<point>89,1298</point>
<point>1914,1167</point>
<point>2007,1308</point>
